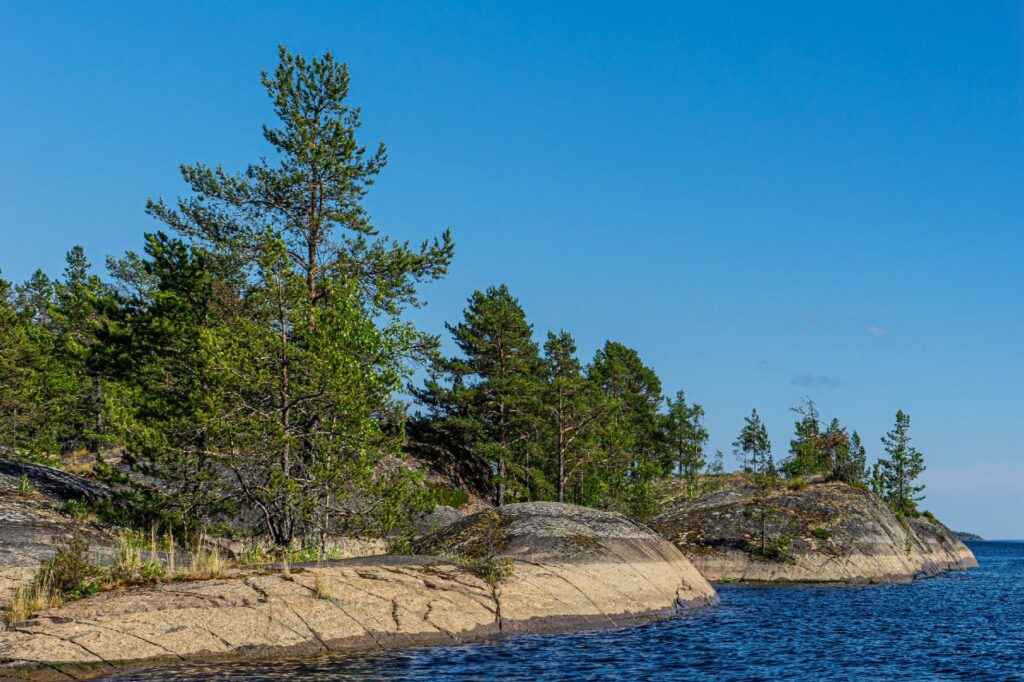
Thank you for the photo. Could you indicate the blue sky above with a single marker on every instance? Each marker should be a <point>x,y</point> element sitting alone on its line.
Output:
<point>767,200</point>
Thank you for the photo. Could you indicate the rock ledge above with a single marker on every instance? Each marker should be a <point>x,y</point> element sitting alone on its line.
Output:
<point>571,568</point>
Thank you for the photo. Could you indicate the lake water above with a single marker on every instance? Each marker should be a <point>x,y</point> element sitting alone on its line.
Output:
<point>967,625</point>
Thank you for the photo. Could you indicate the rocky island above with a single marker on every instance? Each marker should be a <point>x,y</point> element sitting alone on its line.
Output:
<point>821,532</point>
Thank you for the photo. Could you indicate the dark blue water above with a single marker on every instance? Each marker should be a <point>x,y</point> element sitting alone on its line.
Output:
<point>960,626</point>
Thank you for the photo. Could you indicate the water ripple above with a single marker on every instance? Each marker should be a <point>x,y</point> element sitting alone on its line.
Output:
<point>959,626</point>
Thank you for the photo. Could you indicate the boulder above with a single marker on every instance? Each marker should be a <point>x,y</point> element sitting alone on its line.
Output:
<point>573,566</point>
<point>825,532</point>
<point>442,517</point>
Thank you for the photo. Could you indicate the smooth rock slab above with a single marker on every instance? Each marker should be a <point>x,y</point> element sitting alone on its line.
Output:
<point>571,568</point>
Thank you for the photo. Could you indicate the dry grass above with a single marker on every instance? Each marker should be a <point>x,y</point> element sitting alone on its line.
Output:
<point>320,588</point>
<point>38,595</point>
<point>206,563</point>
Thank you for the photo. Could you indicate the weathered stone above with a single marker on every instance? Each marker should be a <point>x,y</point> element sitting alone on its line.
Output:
<point>442,517</point>
<point>838,533</point>
<point>570,567</point>
<point>575,566</point>
<point>33,523</point>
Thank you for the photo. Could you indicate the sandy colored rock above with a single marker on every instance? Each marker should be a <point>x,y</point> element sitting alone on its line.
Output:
<point>570,568</point>
<point>839,533</point>
<point>574,565</point>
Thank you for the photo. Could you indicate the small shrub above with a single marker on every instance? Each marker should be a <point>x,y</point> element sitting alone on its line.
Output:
<point>70,572</point>
<point>401,544</point>
<point>908,544</point>
<point>928,515</point>
<point>481,557</point>
<point>153,571</point>
<point>77,509</point>
<point>25,487</point>
<point>821,533</point>
<point>796,484</point>
<point>450,497</point>
<point>775,548</point>
<point>304,554</point>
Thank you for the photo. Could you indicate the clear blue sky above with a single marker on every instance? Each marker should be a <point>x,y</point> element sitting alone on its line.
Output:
<point>767,200</point>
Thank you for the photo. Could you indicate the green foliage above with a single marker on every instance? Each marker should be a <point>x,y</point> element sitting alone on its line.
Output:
<point>25,486</point>
<point>796,484</point>
<point>776,548</point>
<point>488,400</point>
<point>77,509</point>
<point>483,557</point>
<point>928,515</point>
<point>70,571</point>
<point>805,449</point>
<point>821,533</point>
<point>267,341</point>
<point>450,497</point>
<point>754,450</point>
<point>894,477</point>
<point>572,407</point>
<point>686,437</point>
<point>830,451</point>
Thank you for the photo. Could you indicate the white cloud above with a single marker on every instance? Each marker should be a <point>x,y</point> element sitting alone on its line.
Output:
<point>877,331</point>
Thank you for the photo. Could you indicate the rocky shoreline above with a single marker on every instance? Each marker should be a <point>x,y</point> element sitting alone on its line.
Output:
<point>566,568</point>
<point>828,532</point>
<point>521,568</point>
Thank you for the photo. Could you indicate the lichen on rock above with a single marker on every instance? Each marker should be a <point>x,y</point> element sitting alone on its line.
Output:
<point>836,533</point>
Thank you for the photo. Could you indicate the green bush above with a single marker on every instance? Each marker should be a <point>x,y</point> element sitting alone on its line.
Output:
<point>796,484</point>
<point>76,509</point>
<point>821,533</point>
<point>70,571</point>
<point>482,557</point>
<point>450,497</point>
<point>777,548</point>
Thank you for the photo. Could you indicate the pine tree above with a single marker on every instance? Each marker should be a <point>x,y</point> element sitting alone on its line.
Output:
<point>754,450</point>
<point>29,408</point>
<point>716,466</point>
<point>300,344</point>
<point>900,470</point>
<point>805,448</point>
<point>490,396</point>
<point>834,451</point>
<point>82,316</point>
<point>572,406</point>
<point>850,462</point>
<point>686,436</point>
<point>629,434</point>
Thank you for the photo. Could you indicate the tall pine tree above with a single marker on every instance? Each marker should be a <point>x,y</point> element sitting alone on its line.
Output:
<point>686,436</point>
<point>489,398</point>
<point>301,344</point>
<point>573,408</point>
<point>897,474</point>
